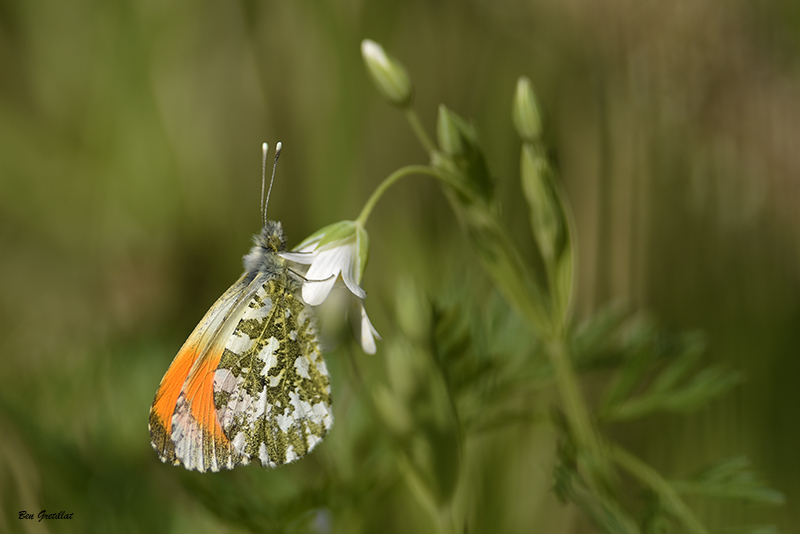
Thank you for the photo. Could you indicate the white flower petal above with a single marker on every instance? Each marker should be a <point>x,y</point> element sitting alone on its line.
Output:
<point>366,333</point>
<point>328,262</point>
<point>306,258</point>
<point>352,285</point>
<point>316,291</point>
<point>309,245</point>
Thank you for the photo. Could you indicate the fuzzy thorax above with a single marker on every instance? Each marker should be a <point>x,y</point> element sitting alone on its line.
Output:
<point>263,257</point>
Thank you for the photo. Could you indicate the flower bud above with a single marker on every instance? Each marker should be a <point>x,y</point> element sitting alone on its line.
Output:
<point>448,133</point>
<point>387,73</point>
<point>545,215</point>
<point>525,113</point>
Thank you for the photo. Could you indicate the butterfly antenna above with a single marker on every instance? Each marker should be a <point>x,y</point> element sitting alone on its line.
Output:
<point>274,166</point>
<point>264,149</point>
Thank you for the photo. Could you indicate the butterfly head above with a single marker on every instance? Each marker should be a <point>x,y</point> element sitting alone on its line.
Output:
<point>271,237</point>
<point>263,257</point>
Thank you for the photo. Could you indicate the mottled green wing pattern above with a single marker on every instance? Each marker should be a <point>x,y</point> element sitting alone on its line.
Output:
<point>271,389</point>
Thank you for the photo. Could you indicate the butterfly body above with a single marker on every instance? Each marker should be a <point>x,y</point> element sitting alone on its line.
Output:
<point>250,382</point>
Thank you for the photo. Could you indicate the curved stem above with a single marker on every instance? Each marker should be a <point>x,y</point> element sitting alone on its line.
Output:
<point>395,176</point>
<point>416,125</point>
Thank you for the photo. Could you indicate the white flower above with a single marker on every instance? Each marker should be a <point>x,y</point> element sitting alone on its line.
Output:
<point>336,255</point>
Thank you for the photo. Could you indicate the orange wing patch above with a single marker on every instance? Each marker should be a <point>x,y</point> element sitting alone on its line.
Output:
<point>197,437</point>
<point>199,394</point>
<point>170,388</point>
<point>184,428</point>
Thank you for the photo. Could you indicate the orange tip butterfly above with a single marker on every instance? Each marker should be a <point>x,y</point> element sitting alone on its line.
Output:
<point>250,381</point>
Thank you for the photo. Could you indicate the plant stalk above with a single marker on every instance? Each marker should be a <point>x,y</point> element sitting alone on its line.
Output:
<point>420,132</point>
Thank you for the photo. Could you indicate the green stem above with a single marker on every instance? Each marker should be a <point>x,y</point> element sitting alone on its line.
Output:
<point>416,125</point>
<point>665,491</point>
<point>395,176</point>
<point>575,410</point>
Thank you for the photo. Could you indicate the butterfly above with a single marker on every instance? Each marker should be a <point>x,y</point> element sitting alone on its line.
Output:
<point>250,381</point>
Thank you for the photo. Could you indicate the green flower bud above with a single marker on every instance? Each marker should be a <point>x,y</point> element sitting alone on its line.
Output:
<point>525,113</point>
<point>448,133</point>
<point>545,216</point>
<point>387,73</point>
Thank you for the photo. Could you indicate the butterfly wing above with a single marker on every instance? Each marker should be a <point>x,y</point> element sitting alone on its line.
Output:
<point>271,388</point>
<point>183,406</point>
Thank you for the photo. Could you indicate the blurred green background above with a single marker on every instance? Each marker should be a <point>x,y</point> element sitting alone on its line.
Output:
<point>130,137</point>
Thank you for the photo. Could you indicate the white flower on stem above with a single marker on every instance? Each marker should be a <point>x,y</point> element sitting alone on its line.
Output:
<point>337,255</point>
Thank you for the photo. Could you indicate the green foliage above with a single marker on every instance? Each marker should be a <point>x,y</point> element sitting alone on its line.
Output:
<point>730,478</point>
<point>674,388</point>
<point>652,371</point>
